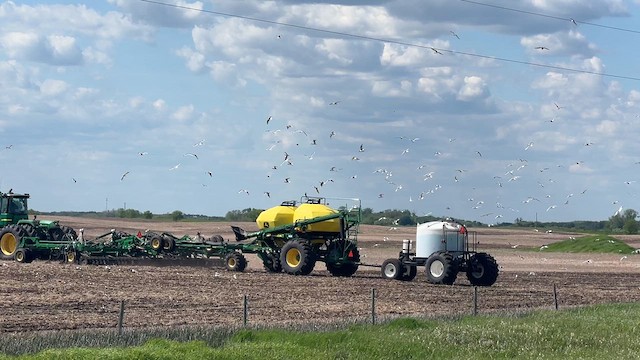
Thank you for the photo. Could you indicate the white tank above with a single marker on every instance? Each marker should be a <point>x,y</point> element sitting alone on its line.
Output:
<point>439,236</point>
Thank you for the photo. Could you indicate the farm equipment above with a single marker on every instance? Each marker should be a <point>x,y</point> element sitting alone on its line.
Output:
<point>111,247</point>
<point>445,249</point>
<point>186,247</point>
<point>294,237</point>
<point>23,239</point>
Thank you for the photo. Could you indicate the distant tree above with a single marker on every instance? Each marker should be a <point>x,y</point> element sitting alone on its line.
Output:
<point>630,226</point>
<point>147,215</point>
<point>177,215</point>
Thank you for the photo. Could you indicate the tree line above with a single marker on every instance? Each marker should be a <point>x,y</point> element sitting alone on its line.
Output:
<point>625,222</point>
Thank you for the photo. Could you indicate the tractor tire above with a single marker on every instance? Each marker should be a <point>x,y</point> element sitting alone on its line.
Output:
<point>482,270</point>
<point>22,256</point>
<point>272,263</point>
<point>69,232</point>
<point>392,269</point>
<point>55,234</point>
<point>441,269</point>
<point>10,238</point>
<point>156,242</point>
<point>30,230</point>
<point>297,257</point>
<point>410,272</point>
<point>235,261</point>
<point>168,244</point>
<point>343,269</point>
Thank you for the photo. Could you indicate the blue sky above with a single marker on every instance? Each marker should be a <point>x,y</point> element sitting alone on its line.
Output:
<point>89,92</point>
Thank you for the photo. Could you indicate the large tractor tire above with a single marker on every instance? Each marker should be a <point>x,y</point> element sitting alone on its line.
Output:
<point>392,269</point>
<point>235,261</point>
<point>71,234</point>
<point>297,257</point>
<point>10,238</point>
<point>56,234</point>
<point>410,272</point>
<point>482,270</point>
<point>22,256</point>
<point>441,269</point>
<point>272,263</point>
<point>29,229</point>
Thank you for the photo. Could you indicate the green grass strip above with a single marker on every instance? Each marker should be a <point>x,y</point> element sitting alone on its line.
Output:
<point>590,244</point>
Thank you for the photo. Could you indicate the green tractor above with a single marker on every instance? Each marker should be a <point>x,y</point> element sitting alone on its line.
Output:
<point>24,239</point>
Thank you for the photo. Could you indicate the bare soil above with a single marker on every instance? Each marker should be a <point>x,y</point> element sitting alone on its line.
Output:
<point>49,295</point>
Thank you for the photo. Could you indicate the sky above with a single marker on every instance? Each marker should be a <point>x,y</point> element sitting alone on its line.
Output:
<point>480,110</point>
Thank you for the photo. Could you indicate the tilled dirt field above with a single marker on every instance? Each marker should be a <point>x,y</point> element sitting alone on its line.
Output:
<point>48,295</point>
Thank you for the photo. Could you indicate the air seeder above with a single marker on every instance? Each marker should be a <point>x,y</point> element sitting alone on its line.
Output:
<point>295,236</point>
<point>445,248</point>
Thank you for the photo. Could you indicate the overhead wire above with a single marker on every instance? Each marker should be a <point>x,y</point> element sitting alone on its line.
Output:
<point>576,21</point>
<point>396,42</point>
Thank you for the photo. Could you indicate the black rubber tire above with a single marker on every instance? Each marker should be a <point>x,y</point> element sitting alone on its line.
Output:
<point>482,270</point>
<point>29,229</point>
<point>10,238</point>
<point>70,232</point>
<point>168,245</point>
<point>55,234</point>
<point>235,261</point>
<point>410,272</point>
<point>392,269</point>
<point>297,257</point>
<point>156,242</point>
<point>22,255</point>
<point>272,263</point>
<point>441,269</point>
<point>72,257</point>
<point>344,268</point>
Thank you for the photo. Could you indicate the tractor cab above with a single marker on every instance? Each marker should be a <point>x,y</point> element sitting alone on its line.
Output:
<point>13,208</point>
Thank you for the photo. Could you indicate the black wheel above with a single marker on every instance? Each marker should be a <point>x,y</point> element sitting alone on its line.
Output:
<point>392,269</point>
<point>56,234</point>
<point>168,244</point>
<point>156,242</point>
<point>272,263</point>
<point>10,238</point>
<point>69,232</point>
<point>410,272</point>
<point>441,269</point>
<point>29,229</point>
<point>336,262</point>
<point>72,257</point>
<point>22,256</point>
<point>483,270</point>
<point>297,257</point>
<point>235,261</point>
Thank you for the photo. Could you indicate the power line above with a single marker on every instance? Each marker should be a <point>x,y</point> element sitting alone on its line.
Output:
<point>572,20</point>
<point>397,42</point>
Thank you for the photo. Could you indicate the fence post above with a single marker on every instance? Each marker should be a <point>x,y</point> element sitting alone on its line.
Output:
<point>373,306</point>
<point>555,296</point>
<point>245,310</point>
<point>121,317</point>
<point>475,300</point>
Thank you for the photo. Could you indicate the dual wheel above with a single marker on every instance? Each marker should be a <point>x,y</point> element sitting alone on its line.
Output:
<point>160,243</point>
<point>235,261</point>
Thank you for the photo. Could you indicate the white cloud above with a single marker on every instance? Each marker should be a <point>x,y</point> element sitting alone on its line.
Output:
<point>53,88</point>
<point>183,113</point>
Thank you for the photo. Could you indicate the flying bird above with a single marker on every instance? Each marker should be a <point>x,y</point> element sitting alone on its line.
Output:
<point>175,167</point>
<point>191,154</point>
<point>142,153</point>
<point>529,146</point>
<point>123,175</point>
<point>334,103</point>
<point>210,173</point>
<point>541,48</point>
<point>361,148</point>
<point>268,194</point>
<point>454,34</point>
<point>199,143</point>
<point>74,180</point>
<point>269,119</point>
<point>332,134</point>
<point>436,51</point>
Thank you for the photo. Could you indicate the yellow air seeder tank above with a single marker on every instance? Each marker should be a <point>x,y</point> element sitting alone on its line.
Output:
<point>277,216</point>
<point>310,211</point>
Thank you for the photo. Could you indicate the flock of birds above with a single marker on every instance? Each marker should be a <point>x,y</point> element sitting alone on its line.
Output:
<point>285,141</point>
